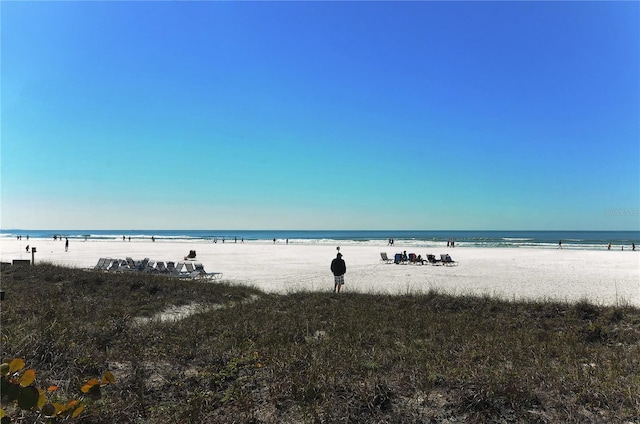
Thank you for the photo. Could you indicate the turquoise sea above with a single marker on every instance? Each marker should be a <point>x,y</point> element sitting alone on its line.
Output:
<point>585,240</point>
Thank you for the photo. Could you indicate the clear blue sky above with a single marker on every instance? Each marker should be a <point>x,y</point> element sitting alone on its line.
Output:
<point>320,115</point>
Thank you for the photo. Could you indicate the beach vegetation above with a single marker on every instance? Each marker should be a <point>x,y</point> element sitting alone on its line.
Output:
<point>236,354</point>
<point>23,400</point>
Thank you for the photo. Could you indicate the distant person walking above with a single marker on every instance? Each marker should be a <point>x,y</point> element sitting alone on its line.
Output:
<point>560,244</point>
<point>339,268</point>
<point>66,245</point>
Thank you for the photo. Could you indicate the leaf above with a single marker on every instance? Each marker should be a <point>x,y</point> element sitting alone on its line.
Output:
<point>42,399</point>
<point>59,407</point>
<point>28,397</point>
<point>90,385</point>
<point>11,391</point>
<point>77,411</point>
<point>4,368</point>
<point>52,388</point>
<point>49,410</point>
<point>95,393</point>
<point>2,413</point>
<point>28,377</point>
<point>108,378</point>
<point>16,365</point>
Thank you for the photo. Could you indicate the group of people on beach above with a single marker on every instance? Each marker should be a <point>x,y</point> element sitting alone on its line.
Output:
<point>633,246</point>
<point>235,239</point>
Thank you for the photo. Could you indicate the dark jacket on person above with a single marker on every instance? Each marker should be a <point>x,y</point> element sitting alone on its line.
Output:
<point>338,267</point>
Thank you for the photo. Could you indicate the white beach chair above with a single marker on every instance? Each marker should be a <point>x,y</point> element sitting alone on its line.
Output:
<point>384,258</point>
<point>207,275</point>
<point>100,265</point>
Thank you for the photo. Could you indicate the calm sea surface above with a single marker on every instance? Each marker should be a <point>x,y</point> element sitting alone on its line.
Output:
<point>585,240</point>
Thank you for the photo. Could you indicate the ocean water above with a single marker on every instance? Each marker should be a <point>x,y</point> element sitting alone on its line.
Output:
<point>584,240</point>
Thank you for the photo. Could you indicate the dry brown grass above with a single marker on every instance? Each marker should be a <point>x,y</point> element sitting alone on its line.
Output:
<point>251,357</point>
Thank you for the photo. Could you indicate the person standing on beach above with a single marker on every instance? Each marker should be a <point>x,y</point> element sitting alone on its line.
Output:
<point>560,244</point>
<point>66,245</point>
<point>339,268</point>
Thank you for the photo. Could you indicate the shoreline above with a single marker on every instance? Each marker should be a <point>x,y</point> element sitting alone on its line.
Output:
<point>599,276</point>
<point>582,240</point>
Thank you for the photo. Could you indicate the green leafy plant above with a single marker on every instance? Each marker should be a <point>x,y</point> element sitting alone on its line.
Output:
<point>20,395</point>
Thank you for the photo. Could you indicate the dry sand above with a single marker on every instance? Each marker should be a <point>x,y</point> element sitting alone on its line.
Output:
<point>602,277</point>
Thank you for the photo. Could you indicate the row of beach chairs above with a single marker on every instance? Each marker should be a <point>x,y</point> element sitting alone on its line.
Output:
<point>148,266</point>
<point>412,258</point>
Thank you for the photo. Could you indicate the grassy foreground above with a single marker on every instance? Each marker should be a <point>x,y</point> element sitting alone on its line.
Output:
<point>251,357</point>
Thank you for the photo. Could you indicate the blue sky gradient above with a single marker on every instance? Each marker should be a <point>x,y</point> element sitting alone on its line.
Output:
<point>320,115</point>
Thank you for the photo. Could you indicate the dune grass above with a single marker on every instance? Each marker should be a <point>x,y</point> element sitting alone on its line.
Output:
<point>241,355</point>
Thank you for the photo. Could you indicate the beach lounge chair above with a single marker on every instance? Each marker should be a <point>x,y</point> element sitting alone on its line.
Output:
<point>446,260</point>
<point>384,258</point>
<point>433,261</point>
<point>192,272</point>
<point>208,275</point>
<point>126,266</point>
<point>150,267</point>
<point>171,269</point>
<point>100,266</point>
<point>107,264</point>
<point>161,267</point>
<point>178,270</point>
<point>114,265</point>
<point>189,272</point>
<point>171,266</point>
<point>142,265</point>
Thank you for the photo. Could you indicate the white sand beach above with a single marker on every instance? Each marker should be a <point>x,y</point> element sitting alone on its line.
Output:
<point>603,277</point>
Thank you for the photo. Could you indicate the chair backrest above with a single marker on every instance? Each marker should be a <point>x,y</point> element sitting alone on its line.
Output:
<point>397,258</point>
<point>199,267</point>
<point>106,264</point>
<point>115,265</point>
<point>160,266</point>
<point>189,267</point>
<point>412,257</point>
<point>143,264</point>
<point>383,255</point>
<point>150,267</point>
